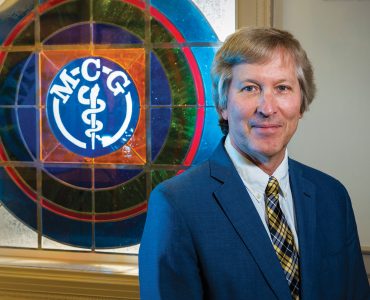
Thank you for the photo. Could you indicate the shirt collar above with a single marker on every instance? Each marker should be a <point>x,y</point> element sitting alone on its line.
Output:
<point>253,177</point>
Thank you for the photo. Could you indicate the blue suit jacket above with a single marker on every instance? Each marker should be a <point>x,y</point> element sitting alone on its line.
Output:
<point>204,239</point>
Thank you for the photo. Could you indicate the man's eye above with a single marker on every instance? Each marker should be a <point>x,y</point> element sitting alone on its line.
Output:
<point>283,88</point>
<point>250,88</point>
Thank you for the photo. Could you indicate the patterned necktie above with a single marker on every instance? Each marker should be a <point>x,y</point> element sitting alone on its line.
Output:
<point>282,237</point>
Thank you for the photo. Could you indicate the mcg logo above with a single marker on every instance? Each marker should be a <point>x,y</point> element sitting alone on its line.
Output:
<point>92,106</point>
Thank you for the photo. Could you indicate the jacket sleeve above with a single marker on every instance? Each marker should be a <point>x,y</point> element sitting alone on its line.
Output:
<point>167,259</point>
<point>358,285</point>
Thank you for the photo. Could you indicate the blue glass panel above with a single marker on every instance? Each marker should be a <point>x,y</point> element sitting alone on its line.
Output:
<point>105,178</point>
<point>75,176</point>
<point>10,136</point>
<point>160,121</point>
<point>11,13</point>
<point>211,135</point>
<point>75,34</point>
<point>17,201</point>
<point>187,18</point>
<point>110,34</point>
<point>160,92</point>
<point>204,57</point>
<point>119,234</point>
<point>27,87</point>
<point>27,122</point>
<point>66,231</point>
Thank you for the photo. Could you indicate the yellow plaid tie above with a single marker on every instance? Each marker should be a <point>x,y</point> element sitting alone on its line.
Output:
<point>282,237</point>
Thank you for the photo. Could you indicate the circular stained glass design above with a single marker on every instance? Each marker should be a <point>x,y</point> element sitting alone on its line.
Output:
<point>109,107</point>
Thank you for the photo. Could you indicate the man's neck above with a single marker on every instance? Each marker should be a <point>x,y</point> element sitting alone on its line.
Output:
<point>266,164</point>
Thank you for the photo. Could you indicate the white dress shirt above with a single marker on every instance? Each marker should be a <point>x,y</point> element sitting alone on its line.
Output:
<point>255,181</point>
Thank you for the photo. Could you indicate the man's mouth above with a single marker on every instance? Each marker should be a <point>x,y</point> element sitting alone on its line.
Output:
<point>266,128</point>
<point>265,125</point>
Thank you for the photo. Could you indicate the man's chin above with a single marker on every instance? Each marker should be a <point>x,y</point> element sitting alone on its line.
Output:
<point>265,154</point>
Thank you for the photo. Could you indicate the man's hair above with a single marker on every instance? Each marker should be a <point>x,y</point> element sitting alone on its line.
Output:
<point>258,45</point>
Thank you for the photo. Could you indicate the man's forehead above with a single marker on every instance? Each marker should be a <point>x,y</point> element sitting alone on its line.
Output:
<point>278,68</point>
<point>281,55</point>
<point>279,60</point>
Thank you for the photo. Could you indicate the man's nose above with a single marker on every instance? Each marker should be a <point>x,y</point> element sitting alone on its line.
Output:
<point>267,103</point>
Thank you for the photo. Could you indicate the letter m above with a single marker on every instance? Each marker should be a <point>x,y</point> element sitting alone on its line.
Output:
<point>65,90</point>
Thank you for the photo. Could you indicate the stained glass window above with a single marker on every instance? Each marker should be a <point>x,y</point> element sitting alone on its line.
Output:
<point>100,100</point>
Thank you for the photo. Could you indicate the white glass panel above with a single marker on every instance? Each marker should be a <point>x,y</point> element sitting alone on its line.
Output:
<point>220,14</point>
<point>14,233</point>
<point>124,250</point>
<point>50,244</point>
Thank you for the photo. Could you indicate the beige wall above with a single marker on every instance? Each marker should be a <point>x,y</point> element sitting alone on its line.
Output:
<point>334,135</point>
<point>336,35</point>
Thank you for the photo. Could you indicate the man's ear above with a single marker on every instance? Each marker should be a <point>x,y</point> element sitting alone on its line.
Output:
<point>224,114</point>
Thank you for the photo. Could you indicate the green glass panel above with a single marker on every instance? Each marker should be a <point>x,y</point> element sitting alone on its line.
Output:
<point>75,199</point>
<point>63,15</point>
<point>160,175</point>
<point>178,74</point>
<point>159,34</point>
<point>179,137</point>
<point>27,36</point>
<point>29,176</point>
<point>121,197</point>
<point>119,13</point>
<point>9,76</point>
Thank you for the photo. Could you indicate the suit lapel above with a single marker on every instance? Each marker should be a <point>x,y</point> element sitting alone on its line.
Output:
<point>235,202</point>
<point>304,195</point>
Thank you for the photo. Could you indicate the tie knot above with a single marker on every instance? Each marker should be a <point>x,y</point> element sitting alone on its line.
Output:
<point>272,187</point>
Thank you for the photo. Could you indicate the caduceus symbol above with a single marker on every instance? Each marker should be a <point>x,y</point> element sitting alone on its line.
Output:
<point>89,115</point>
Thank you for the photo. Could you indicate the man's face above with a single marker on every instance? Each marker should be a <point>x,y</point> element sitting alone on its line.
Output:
<point>263,107</point>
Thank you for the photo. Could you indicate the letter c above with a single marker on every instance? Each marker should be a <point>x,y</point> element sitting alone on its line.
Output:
<point>85,66</point>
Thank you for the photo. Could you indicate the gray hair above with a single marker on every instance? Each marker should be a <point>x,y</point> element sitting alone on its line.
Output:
<point>257,45</point>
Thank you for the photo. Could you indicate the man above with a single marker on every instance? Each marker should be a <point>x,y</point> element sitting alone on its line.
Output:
<point>251,223</point>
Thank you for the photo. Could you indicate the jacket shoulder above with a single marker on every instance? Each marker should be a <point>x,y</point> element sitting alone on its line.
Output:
<point>316,176</point>
<point>196,177</point>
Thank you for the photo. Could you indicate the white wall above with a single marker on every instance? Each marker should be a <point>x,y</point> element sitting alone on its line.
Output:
<point>334,136</point>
